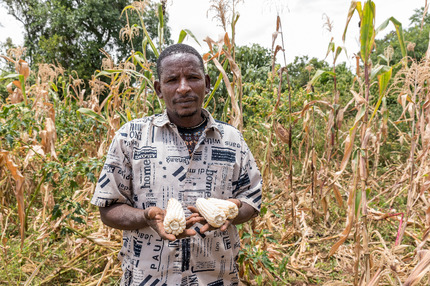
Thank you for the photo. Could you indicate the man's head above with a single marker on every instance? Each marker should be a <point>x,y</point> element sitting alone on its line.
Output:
<point>182,84</point>
<point>177,49</point>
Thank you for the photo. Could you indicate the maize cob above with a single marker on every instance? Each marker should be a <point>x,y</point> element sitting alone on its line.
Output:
<point>229,208</point>
<point>213,215</point>
<point>174,220</point>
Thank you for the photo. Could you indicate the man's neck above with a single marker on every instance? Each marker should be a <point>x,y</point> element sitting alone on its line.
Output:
<point>188,122</point>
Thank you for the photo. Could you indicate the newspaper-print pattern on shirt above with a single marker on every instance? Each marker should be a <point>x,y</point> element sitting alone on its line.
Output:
<point>147,164</point>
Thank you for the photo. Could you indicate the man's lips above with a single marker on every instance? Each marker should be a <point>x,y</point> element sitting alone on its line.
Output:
<point>185,101</point>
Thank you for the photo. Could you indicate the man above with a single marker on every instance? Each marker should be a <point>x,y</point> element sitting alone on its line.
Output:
<point>185,154</point>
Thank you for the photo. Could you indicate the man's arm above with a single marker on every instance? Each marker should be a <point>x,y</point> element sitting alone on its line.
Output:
<point>125,217</point>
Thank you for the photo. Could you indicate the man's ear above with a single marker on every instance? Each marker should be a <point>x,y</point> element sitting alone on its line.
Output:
<point>157,88</point>
<point>208,83</point>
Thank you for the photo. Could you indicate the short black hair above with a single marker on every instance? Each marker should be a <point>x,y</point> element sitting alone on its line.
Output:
<point>178,49</point>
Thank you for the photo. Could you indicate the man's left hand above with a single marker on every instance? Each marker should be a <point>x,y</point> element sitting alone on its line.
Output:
<point>206,226</point>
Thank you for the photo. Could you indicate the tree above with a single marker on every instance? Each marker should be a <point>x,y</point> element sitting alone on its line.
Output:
<point>302,69</point>
<point>72,32</point>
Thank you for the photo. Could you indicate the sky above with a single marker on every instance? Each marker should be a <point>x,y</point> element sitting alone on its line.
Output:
<point>302,24</point>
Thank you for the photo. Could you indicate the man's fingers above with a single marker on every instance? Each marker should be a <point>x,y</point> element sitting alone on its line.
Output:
<point>187,233</point>
<point>154,213</point>
<point>206,227</point>
<point>195,219</point>
<point>193,209</point>
<point>236,201</point>
<point>170,237</point>
<point>225,225</point>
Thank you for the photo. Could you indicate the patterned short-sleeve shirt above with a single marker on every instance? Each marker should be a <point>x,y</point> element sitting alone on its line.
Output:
<point>147,164</point>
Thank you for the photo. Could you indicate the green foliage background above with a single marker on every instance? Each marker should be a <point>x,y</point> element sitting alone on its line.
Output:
<point>73,37</point>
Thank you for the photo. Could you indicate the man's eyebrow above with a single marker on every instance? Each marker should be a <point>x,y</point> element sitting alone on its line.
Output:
<point>170,76</point>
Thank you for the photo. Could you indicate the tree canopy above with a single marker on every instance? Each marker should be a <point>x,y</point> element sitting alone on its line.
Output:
<point>72,33</point>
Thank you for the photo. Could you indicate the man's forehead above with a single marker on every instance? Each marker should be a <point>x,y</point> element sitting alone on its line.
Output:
<point>180,56</point>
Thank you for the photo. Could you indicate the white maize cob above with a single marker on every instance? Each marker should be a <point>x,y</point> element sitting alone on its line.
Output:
<point>228,207</point>
<point>213,215</point>
<point>174,220</point>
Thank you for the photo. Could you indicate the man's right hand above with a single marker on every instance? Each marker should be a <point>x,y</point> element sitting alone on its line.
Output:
<point>154,217</point>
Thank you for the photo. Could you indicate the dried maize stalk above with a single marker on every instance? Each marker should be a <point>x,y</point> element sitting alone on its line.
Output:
<point>174,220</point>
<point>228,207</point>
<point>213,215</point>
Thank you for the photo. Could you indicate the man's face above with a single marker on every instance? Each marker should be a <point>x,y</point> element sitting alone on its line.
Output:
<point>183,86</point>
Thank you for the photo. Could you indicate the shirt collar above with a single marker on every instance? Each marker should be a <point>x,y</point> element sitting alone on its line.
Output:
<point>161,120</point>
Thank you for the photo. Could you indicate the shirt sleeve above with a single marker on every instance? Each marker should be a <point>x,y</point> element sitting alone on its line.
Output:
<point>249,184</point>
<point>115,182</point>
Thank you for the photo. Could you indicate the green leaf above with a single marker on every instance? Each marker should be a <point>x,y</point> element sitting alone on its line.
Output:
<point>12,75</point>
<point>338,51</point>
<point>355,6</point>
<point>182,36</point>
<point>382,57</point>
<point>318,74</point>
<point>378,69</point>
<point>213,90</point>
<point>186,32</point>
<point>330,48</point>
<point>160,15</point>
<point>383,80</point>
<point>367,31</point>
<point>399,32</point>
<point>357,202</point>
<point>24,94</point>
<point>122,116</point>
<point>89,112</point>
<point>54,87</point>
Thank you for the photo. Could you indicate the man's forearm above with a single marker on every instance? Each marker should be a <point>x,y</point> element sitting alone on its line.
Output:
<point>246,212</point>
<point>123,216</point>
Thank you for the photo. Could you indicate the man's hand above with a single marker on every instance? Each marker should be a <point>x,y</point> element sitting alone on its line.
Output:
<point>246,212</point>
<point>155,216</point>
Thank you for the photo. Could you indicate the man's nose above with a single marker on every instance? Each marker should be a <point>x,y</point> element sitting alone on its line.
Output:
<point>184,86</point>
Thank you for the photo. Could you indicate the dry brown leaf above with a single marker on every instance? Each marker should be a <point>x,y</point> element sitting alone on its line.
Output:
<point>349,144</point>
<point>428,217</point>
<point>348,224</point>
<point>19,190</point>
<point>49,136</point>
<point>402,100</point>
<point>236,114</point>
<point>420,269</point>
<point>274,36</point>
<point>227,41</point>
<point>23,69</point>
<point>32,151</point>
<point>358,98</point>
<point>282,133</point>
<point>101,151</point>
<point>338,196</point>
<point>9,88</point>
